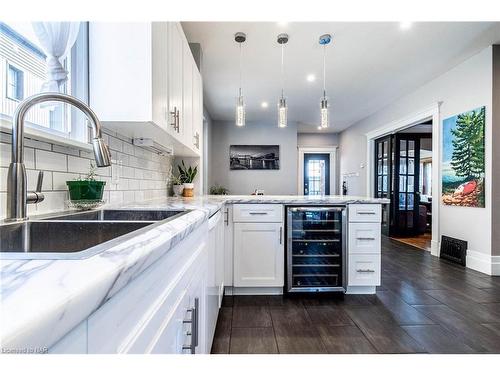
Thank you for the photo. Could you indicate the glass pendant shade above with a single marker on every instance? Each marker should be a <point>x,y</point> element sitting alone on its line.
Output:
<point>282,113</point>
<point>240,111</point>
<point>324,113</point>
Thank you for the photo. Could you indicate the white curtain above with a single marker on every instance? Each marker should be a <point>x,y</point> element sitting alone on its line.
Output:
<point>56,39</point>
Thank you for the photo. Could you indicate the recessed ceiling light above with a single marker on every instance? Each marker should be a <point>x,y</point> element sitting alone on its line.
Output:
<point>320,128</point>
<point>405,25</point>
<point>264,104</point>
<point>282,23</point>
<point>311,78</point>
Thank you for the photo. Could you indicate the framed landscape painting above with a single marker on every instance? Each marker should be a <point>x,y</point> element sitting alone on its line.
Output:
<point>254,157</point>
<point>463,159</point>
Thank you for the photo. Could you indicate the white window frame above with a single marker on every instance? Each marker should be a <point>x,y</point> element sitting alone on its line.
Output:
<point>15,67</point>
<point>80,139</point>
<point>332,150</point>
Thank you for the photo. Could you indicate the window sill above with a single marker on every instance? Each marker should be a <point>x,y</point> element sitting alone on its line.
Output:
<point>40,135</point>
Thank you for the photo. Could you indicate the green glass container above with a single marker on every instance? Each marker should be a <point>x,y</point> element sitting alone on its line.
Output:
<point>85,190</point>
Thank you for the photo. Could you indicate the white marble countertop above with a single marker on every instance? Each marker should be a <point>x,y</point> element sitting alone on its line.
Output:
<point>42,300</point>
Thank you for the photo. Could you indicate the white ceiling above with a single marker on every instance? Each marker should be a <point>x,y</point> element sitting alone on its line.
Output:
<point>369,65</point>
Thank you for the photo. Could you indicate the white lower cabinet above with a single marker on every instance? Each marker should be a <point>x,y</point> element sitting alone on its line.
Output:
<point>364,270</point>
<point>258,255</point>
<point>215,274</point>
<point>364,248</point>
<point>147,315</point>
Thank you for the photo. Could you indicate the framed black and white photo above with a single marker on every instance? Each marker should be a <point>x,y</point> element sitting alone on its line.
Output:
<point>248,157</point>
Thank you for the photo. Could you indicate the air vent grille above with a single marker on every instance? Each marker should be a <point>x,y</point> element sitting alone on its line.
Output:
<point>453,249</point>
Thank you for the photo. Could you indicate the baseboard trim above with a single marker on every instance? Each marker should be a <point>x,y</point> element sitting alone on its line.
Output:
<point>361,290</point>
<point>484,263</point>
<point>435,245</point>
<point>253,291</point>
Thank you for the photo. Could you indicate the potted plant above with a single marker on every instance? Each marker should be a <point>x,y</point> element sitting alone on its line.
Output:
<point>187,175</point>
<point>218,190</point>
<point>86,188</point>
<point>177,185</point>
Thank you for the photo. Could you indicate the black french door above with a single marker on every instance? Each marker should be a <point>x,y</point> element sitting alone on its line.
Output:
<point>383,177</point>
<point>406,198</point>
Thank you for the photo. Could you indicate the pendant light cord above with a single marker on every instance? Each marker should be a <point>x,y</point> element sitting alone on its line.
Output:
<point>282,70</point>
<point>324,70</point>
<point>240,69</point>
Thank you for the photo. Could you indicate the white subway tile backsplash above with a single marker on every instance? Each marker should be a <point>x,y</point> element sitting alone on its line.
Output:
<point>51,161</point>
<point>139,195</point>
<point>116,197</point>
<point>115,144</point>
<point>3,178</point>
<point>128,196</point>
<point>136,174</point>
<point>5,156</point>
<point>59,180</point>
<point>128,172</point>
<point>128,148</point>
<point>37,144</point>
<point>66,150</point>
<point>32,176</point>
<point>134,184</point>
<point>86,154</point>
<point>78,165</point>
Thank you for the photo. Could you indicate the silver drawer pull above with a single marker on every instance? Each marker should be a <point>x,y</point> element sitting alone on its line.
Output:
<point>366,238</point>
<point>366,212</point>
<point>258,213</point>
<point>365,271</point>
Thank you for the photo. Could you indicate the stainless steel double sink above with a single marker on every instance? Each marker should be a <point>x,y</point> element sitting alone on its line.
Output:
<point>70,235</point>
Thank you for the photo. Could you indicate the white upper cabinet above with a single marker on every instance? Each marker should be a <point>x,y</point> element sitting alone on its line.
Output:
<point>142,83</point>
<point>197,109</point>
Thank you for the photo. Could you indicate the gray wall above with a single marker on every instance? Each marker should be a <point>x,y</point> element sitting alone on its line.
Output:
<point>282,181</point>
<point>317,139</point>
<point>465,87</point>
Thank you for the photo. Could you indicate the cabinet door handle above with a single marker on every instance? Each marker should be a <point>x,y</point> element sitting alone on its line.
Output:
<point>174,114</point>
<point>365,271</point>
<point>366,212</point>
<point>226,220</point>
<point>366,238</point>
<point>193,321</point>
<point>178,116</point>
<point>281,235</point>
<point>258,213</point>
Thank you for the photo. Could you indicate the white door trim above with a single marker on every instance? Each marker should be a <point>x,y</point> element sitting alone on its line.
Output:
<point>430,112</point>
<point>332,150</point>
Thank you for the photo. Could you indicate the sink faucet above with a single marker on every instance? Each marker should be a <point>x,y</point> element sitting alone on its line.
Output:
<point>17,195</point>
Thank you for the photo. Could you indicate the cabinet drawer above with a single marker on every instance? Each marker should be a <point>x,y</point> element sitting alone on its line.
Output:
<point>364,270</point>
<point>258,213</point>
<point>366,213</point>
<point>364,238</point>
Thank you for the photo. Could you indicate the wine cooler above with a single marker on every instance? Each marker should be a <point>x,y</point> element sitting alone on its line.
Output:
<point>315,249</point>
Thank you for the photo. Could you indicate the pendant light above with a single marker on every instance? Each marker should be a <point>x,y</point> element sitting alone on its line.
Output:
<point>282,106</point>
<point>240,103</point>
<point>324,40</point>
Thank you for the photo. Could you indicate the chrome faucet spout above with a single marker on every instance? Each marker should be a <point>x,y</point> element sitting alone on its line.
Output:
<point>17,195</point>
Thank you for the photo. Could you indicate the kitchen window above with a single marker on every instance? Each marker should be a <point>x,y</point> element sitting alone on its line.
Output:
<point>25,70</point>
<point>15,83</point>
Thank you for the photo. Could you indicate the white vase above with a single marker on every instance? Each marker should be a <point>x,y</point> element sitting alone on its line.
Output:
<point>178,189</point>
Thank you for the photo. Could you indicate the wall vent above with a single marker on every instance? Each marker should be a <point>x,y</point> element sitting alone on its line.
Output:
<point>453,249</point>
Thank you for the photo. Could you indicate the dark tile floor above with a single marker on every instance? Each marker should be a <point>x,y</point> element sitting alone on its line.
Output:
<point>424,305</point>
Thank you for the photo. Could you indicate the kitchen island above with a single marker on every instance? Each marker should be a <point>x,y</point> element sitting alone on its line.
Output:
<point>133,296</point>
